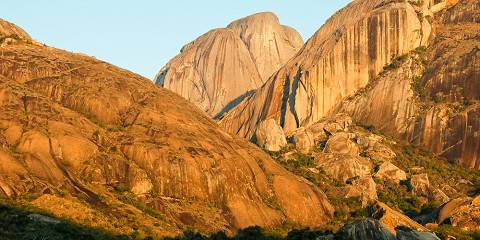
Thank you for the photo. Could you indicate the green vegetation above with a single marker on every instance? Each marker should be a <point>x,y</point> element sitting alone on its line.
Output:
<point>127,197</point>
<point>445,231</point>
<point>17,222</point>
<point>253,233</point>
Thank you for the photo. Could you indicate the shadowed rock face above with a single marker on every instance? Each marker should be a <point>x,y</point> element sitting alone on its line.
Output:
<point>223,66</point>
<point>342,57</point>
<point>72,122</point>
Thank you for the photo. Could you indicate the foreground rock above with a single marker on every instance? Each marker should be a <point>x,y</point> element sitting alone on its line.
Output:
<point>70,124</point>
<point>375,230</point>
<point>220,68</point>
<point>393,219</point>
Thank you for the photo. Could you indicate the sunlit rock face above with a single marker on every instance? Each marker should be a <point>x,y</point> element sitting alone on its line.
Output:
<point>220,68</point>
<point>8,29</point>
<point>342,57</point>
<point>398,67</point>
<point>431,98</point>
<point>71,123</point>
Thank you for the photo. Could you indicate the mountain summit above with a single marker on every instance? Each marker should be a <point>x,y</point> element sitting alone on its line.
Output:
<point>221,67</point>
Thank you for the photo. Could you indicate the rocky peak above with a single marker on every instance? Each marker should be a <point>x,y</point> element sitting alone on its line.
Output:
<point>346,53</point>
<point>222,67</point>
<point>270,43</point>
<point>10,33</point>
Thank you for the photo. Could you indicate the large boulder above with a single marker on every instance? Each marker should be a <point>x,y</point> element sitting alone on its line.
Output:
<point>393,219</point>
<point>461,212</point>
<point>341,143</point>
<point>270,136</point>
<point>420,184</point>
<point>390,172</point>
<point>371,229</point>
<point>364,188</point>
<point>303,140</point>
<point>344,167</point>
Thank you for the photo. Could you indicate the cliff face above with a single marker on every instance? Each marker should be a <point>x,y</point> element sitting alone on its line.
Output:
<point>431,98</point>
<point>72,125</point>
<point>223,66</point>
<point>342,57</point>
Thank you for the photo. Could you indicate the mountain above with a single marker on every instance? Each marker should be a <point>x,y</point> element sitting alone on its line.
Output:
<point>223,66</point>
<point>103,147</point>
<point>405,68</point>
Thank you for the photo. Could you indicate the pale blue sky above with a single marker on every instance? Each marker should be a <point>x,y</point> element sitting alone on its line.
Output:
<point>143,35</point>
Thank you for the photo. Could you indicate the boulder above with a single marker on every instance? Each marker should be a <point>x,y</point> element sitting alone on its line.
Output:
<point>344,167</point>
<point>390,172</point>
<point>462,212</point>
<point>420,184</point>
<point>303,140</point>
<point>340,143</point>
<point>371,229</point>
<point>439,196</point>
<point>270,136</point>
<point>364,188</point>
<point>393,219</point>
<point>409,234</point>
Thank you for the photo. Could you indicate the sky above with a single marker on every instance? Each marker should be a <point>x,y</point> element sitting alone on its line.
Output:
<point>143,35</point>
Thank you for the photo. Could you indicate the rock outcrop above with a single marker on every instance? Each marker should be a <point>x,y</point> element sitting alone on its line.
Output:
<point>375,230</point>
<point>431,97</point>
<point>303,139</point>
<point>393,219</point>
<point>71,124</point>
<point>344,167</point>
<point>390,172</point>
<point>341,143</point>
<point>420,184</point>
<point>343,56</point>
<point>10,30</point>
<point>220,68</point>
<point>462,212</point>
<point>417,81</point>
<point>270,136</point>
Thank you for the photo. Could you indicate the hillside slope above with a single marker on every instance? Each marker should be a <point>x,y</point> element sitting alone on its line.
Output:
<point>90,142</point>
